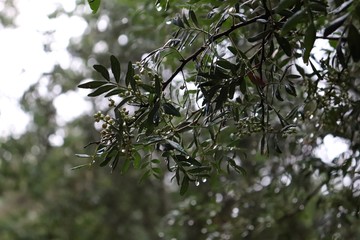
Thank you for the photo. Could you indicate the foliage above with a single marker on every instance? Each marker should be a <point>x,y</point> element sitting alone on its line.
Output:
<point>238,75</point>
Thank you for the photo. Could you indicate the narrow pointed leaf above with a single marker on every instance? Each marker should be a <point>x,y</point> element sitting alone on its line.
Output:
<point>284,44</point>
<point>171,110</point>
<point>335,25</point>
<point>101,90</point>
<point>184,185</point>
<point>102,70</point>
<point>310,37</point>
<point>354,43</point>
<point>129,79</point>
<point>115,67</point>
<point>293,21</point>
<point>92,84</point>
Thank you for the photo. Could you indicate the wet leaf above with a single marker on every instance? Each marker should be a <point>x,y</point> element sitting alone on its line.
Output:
<point>184,185</point>
<point>335,25</point>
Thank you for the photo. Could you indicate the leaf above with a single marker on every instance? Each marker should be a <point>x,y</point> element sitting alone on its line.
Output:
<point>171,110</point>
<point>340,55</point>
<point>193,18</point>
<point>83,155</point>
<point>92,84</point>
<point>284,44</point>
<point>335,25</point>
<point>102,70</point>
<point>136,159</point>
<point>81,166</point>
<point>278,95</point>
<point>129,79</point>
<point>343,7</point>
<point>284,4</point>
<point>176,146</point>
<point>310,37</point>
<point>101,90</point>
<point>184,185</point>
<point>178,22</point>
<point>293,21</point>
<point>190,160</point>
<point>290,89</point>
<point>125,100</point>
<point>94,5</point>
<point>115,68</point>
<point>114,92</point>
<point>354,42</point>
<point>259,36</point>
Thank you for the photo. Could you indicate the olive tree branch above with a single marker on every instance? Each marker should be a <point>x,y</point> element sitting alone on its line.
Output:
<point>211,40</point>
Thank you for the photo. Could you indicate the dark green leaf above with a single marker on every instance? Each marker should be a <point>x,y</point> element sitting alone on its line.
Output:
<point>343,7</point>
<point>129,79</point>
<point>354,42</point>
<point>190,160</point>
<point>125,100</point>
<point>259,36</point>
<point>310,37</point>
<point>278,95</point>
<point>340,55</point>
<point>115,67</point>
<point>176,146</point>
<point>94,5</point>
<point>290,89</point>
<point>102,70</point>
<point>193,18</point>
<point>101,90</point>
<point>171,110</point>
<point>284,4</point>
<point>184,185</point>
<point>284,44</point>
<point>114,92</point>
<point>335,25</point>
<point>92,84</point>
<point>293,21</point>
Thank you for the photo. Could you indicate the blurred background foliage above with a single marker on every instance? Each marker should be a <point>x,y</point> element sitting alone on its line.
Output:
<point>292,195</point>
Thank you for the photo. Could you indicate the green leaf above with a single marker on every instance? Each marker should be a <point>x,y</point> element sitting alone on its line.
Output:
<point>115,68</point>
<point>354,42</point>
<point>310,37</point>
<point>114,92</point>
<point>171,110</point>
<point>92,84</point>
<point>284,4</point>
<point>278,95</point>
<point>293,21</point>
<point>335,25</point>
<point>259,36</point>
<point>176,146</point>
<point>129,79</point>
<point>290,89</point>
<point>284,44</point>
<point>193,18</point>
<point>188,159</point>
<point>102,70</point>
<point>94,5</point>
<point>136,159</point>
<point>184,185</point>
<point>101,90</point>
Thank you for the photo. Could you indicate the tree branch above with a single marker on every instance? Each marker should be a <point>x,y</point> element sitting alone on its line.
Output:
<point>211,40</point>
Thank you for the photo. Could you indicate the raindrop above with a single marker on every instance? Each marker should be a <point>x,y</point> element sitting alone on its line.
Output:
<point>197,183</point>
<point>158,7</point>
<point>204,180</point>
<point>168,22</point>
